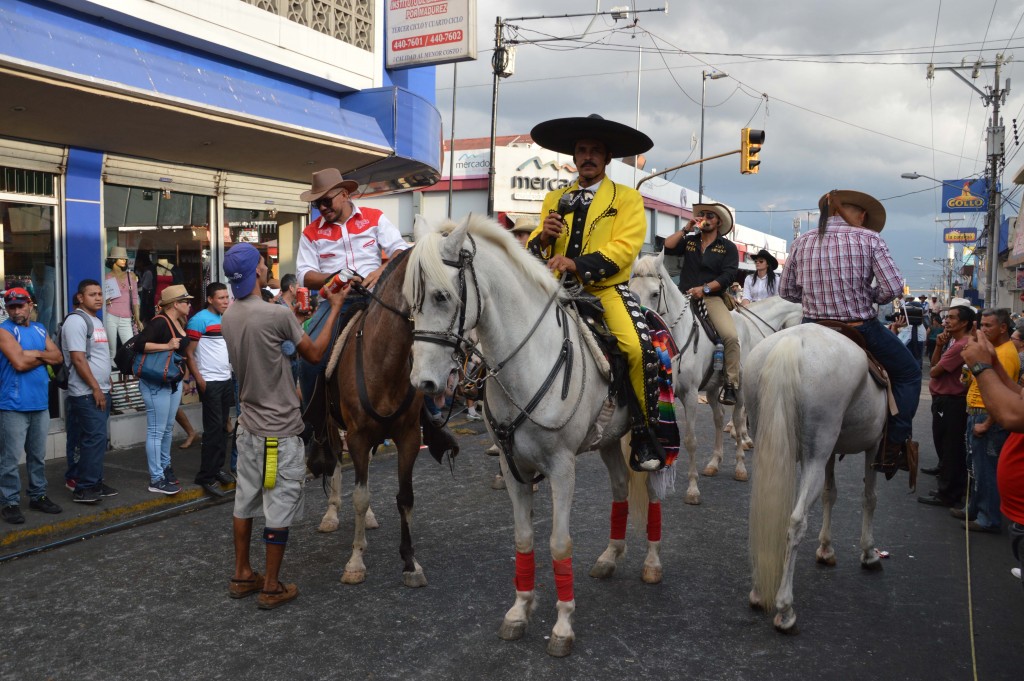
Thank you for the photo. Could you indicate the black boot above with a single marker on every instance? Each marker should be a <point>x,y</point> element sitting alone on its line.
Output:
<point>647,454</point>
<point>728,395</point>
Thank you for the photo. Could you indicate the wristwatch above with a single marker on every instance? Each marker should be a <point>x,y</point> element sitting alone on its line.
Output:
<point>707,289</point>
<point>978,367</point>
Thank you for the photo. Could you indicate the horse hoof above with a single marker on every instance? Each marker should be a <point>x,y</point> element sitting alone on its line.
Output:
<point>602,570</point>
<point>710,471</point>
<point>353,577</point>
<point>740,476</point>
<point>371,521</point>
<point>498,482</point>
<point>755,601</point>
<point>748,444</point>
<point>651,575</point>
<point>328,526</point>
<point>785,625</point>
<point>693,498</point>
<point>872,565</point>
<point>414,580</point>
<point>560,646</point>
<point>512,631</point>
<point>829,560</point>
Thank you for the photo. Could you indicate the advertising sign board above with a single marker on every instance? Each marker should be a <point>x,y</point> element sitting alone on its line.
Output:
<point>424,32</point>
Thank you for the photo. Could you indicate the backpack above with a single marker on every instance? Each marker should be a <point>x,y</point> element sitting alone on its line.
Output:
<point>124,358</point>
<point>61,373</point>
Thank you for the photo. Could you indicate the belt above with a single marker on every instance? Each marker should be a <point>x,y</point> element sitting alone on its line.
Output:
<point>848,322</point>
<point>974,411</point>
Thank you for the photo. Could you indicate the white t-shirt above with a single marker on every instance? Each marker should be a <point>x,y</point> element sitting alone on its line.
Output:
<point>755,288</point>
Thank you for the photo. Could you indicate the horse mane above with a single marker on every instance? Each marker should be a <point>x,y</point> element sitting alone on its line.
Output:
<point>647,266</point>
<point>426,265</point>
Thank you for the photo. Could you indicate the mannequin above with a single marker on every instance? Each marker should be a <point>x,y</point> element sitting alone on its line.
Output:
<point>164,276</point>
<point>121,313</point>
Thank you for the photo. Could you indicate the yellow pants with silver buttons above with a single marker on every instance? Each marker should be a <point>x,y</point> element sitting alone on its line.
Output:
<point>627,323</point>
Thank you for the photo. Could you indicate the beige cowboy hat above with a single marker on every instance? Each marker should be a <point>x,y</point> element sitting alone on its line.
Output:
<point>524,225</point>
<point>324,181</point>
<point>875,218</point>
<point>723,213</point>
<point>173,294</point>
<point>561,135</point>
<point>117,253</point>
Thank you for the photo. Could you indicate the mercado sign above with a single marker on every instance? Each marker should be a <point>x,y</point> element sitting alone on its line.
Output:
<point>955,235</point>
<point>424,32</point>
<point>524,175</point>
<point>965,196</point>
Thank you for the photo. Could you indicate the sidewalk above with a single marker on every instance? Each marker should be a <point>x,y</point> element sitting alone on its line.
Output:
<point>125,470</point>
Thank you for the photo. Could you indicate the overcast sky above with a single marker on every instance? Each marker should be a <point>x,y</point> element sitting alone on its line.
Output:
<point>848,103</point>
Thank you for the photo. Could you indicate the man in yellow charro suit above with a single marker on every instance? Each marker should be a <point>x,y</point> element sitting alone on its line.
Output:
<point>594,228</point>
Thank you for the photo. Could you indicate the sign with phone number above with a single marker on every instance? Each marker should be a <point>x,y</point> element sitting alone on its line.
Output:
<point>426,32</point>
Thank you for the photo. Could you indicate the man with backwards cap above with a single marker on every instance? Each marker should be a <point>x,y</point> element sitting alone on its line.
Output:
<point>840,272</point>
<point>271,456</point>
<point>594,229</point>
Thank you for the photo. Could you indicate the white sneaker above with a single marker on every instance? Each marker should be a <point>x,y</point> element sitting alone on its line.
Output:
<point>473,415</point>
<point>1015,572</point>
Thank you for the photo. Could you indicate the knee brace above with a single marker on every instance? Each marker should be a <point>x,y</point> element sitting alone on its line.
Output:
<point>279,537</point>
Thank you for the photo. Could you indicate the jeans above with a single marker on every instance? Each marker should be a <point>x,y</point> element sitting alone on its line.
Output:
<point>72,445</point>
<point>161,406</point>
<point>117,327</point>
<point>23,431</point>
<point>983,505</point>
<point>308,372</point>
<point>88,427</point>
<point>216,401</point>
<point>904,375</point>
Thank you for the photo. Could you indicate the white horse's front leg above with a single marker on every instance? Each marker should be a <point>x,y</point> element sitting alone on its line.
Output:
<point>329,523</point>
<point>686,421</point>
<point>869,558</point>
<point>355,568</point>
<point>739,416</point>
<point>652,572</point>
<point>563,486</point>
<point>517,619</point>
<point>826,554</point>
<point>711,469</point>
<point>613,457</point>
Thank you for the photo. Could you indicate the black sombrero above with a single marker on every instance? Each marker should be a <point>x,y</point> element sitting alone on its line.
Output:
<point>561,135</point>
<point>773,262</point>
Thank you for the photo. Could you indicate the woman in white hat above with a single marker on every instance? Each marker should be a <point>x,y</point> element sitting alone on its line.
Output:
<point>166,331</point>
<point>121,314</point>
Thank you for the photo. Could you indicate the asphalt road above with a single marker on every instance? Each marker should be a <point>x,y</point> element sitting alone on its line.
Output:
<point>151,602</point>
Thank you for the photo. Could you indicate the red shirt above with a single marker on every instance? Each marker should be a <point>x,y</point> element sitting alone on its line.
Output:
<point>949,382</point>
<point>1010,477</point>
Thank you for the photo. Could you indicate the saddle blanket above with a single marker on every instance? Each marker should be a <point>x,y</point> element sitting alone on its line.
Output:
<point>666,429</point>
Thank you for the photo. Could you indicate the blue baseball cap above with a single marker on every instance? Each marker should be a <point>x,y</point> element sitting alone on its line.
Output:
<point>240,268</point>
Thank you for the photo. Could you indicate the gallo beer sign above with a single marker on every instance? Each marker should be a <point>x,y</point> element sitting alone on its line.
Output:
<point>422,32</point>
<point>965,196</point>
<point>955,235</point>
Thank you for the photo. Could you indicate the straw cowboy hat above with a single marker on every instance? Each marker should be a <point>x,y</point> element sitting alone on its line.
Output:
<point>173,294</point>
<point>324,181</point>
<point>561,135</point>
<point>524,225</point>
<point>773,262</point>
<point>875,218</point>
<point>723,213</point>
<point>117,253</point>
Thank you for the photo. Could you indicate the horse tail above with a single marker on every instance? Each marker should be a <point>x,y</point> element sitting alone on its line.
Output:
<point>637,492</point>
<point>774,488</point>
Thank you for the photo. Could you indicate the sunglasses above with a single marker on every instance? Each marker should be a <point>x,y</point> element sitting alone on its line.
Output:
<point>707,214</point>
<point>327,200</point>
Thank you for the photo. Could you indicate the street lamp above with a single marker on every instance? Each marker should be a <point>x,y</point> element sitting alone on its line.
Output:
<point>992,247</point>
<point>809,214</point>
<point>705,76</point>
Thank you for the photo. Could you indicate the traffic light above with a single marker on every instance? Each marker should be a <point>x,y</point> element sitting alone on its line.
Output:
<point>750,147</point>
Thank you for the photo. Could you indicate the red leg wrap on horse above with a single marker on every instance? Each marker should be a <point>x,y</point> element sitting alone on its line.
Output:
<point>653,522</point>
<point>620,512</point>
<point>525,571</point>
<point>563,579</point>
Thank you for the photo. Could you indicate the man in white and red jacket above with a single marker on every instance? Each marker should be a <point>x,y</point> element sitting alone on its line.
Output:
<point>345,236</point>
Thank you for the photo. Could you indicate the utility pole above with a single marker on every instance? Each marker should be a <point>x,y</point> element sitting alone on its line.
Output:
<point>993,95</point>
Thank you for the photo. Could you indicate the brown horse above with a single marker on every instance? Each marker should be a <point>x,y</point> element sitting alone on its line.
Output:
<point>369,392</point>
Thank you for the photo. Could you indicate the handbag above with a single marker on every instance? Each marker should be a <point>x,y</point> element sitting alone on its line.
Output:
<point>165,367</point>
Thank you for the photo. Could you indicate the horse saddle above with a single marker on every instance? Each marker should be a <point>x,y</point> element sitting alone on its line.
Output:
<point>875,369</point>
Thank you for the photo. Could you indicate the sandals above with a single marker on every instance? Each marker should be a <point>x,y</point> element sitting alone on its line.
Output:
<point>268,600</point>
<point>240,588</point>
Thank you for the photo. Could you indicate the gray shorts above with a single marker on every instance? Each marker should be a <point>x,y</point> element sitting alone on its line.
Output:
<point>281,504</point>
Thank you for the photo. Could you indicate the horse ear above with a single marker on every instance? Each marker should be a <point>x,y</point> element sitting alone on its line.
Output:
<point>661,258</point>
<point>420,227</point>
<point>452,244</point>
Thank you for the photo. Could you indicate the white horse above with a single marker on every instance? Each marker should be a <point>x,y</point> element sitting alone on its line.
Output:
<point>810,398</point>
<point>545,402</point>
<point>652,283</point>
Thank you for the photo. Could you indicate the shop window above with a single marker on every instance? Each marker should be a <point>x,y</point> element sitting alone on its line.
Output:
<point>27,182</point>
<point>28,256</point>
<point>264,229</point>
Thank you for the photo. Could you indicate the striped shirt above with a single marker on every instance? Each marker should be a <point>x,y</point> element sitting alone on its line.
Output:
<point>840,274</point>
<point>211,350</point>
